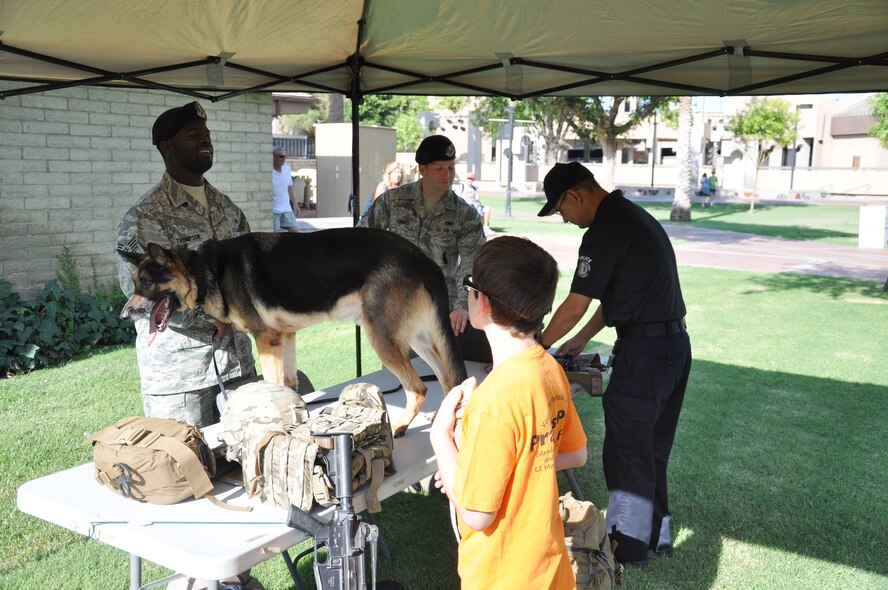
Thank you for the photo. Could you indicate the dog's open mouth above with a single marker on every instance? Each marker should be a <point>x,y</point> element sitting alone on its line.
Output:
<point>160,317</point>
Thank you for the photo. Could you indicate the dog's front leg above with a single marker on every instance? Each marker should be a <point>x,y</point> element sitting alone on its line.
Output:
<point>270,345</point>
<point>288,360</point>
<point>415,399</point>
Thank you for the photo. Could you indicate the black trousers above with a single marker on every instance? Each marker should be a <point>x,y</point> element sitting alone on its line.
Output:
<point>642,404</point>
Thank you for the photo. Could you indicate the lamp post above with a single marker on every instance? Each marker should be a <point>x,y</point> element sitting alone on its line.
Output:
<point>654,150</point>
<point>795,148</point>
<point>511,110</point>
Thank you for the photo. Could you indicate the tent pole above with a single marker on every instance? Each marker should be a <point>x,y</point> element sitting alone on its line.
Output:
<point>354,198</point>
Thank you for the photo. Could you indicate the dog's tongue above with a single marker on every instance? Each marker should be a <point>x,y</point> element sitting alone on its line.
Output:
<point>160,316</point>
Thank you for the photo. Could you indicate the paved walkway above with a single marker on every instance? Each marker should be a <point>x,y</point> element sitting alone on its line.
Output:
<point>740,251</point>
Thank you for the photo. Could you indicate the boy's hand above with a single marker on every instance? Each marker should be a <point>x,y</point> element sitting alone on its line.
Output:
<point>451,408</point>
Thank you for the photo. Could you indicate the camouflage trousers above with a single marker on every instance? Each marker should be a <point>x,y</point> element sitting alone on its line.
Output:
<point>202,407</point>
<point>198,407</point>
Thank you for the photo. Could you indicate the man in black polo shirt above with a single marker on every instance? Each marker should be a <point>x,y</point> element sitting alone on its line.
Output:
<point>627,262</point>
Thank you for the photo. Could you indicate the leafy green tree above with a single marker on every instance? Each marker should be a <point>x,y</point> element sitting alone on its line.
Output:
<point>549,115</point>
<point>598,118</point>
<point>304,124</point>
<point>398,111</point>
<point>879,111</point>
<point>765,124</point>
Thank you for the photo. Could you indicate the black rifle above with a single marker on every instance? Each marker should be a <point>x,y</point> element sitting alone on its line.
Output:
<point>344,535</point>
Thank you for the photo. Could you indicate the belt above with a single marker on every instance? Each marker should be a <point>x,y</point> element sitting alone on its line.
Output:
<point>650,329</point>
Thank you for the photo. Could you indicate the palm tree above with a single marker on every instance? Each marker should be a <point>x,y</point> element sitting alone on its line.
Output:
<point>684,181</point>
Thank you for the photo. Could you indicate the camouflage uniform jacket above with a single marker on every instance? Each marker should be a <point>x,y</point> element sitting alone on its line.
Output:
<point>180,359</point>
<point>449,235</point>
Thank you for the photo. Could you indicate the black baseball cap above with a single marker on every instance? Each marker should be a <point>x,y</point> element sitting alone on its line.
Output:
<point>560,179</point>
<point>435,148</point>
<point>169,122</point>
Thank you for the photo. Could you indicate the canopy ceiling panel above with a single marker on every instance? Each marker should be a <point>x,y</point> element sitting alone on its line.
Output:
<point>519,48</point>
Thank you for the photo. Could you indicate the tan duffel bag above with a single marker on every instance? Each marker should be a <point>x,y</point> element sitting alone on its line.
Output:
<point>157,460</point>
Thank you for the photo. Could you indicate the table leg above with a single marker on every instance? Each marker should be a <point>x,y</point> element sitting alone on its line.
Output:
<point>135,572</point>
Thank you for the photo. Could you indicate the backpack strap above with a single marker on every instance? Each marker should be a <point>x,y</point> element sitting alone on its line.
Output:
<point>252,472</point>
<point>377,474</point>
<point>226,506</point>
<point>189,464</point>
<point>193,471</point>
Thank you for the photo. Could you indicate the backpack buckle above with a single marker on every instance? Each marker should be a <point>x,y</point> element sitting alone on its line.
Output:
<point>123,480</point>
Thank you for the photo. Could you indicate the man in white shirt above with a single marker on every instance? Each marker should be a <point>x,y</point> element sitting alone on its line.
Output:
<point>285,207</point>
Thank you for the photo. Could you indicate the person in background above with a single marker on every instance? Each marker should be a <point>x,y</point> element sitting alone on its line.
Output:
<point>517,428</point>
<point>391,178</point>
<point>472,195</point>
<point>713,189</point>
<point>285,205</point>
<point>446,228</point>
<point>705,189</point>
<point>626,261</point>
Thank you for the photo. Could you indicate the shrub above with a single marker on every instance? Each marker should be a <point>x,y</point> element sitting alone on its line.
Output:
<point>56,325</point>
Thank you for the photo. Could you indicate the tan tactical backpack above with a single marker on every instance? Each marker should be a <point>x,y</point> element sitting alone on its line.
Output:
<point>589,548</point>
<point>155,460</point>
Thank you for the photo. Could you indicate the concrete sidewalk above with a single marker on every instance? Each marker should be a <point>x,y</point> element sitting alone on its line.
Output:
<point>740,251</point>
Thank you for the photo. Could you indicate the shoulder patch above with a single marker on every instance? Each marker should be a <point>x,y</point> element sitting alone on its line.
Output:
<point>584,265</point>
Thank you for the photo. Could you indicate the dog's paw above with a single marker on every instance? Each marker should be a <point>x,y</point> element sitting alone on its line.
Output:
<point>400,431</point>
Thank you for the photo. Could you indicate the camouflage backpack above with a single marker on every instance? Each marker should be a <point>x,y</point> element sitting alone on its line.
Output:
<point>251,411</point>
<point>589,548</point>
<point>293,470</point>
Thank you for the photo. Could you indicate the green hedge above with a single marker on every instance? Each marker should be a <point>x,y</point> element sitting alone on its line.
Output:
<point>58,324</point>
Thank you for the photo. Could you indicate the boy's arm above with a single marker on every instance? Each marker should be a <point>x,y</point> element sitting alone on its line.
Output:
<point>446,452</point>
<point>570,460</point>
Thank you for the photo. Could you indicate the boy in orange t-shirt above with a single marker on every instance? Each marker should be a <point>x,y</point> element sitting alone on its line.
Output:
<point>518,428</point>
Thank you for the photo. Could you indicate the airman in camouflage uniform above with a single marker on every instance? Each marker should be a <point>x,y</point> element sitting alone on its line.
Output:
<point>429,214</point>
<point>176,369</point>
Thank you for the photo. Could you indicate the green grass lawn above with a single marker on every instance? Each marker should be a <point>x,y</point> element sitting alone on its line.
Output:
<point>777,478</point>
<point>833,224</point>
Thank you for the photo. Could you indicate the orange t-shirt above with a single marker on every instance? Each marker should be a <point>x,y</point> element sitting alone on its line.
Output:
<point>513,426</point>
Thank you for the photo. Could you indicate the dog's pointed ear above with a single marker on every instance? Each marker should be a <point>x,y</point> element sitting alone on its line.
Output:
<point>161,255</point>
<point>134,258</point>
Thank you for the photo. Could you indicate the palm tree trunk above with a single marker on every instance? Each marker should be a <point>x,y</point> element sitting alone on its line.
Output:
<point>335,108</point>
<point>684,182</point>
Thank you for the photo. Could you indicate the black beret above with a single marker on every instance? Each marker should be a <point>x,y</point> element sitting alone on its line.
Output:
<point>171,121</point>
<point>435,148</point>
<point>560,179</point>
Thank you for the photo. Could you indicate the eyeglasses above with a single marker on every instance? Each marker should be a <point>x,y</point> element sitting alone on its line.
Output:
<point>281,156</point>
<point>468,285</point>
<point>560,203</point>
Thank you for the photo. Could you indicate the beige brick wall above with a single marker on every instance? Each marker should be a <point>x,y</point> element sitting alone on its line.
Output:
<point>72,161</point>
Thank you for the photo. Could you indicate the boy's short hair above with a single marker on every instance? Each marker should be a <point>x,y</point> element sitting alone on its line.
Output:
<point>519,278</point>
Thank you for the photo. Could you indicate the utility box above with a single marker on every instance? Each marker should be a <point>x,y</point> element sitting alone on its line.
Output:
<point>333,148</point>
<point>873,226</point>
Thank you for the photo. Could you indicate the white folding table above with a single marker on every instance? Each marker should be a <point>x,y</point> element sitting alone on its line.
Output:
<point>199,539</point>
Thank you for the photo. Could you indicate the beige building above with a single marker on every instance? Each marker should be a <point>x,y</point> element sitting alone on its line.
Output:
<point>835,155</point>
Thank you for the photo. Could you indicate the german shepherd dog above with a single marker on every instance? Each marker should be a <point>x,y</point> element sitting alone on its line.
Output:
<point>273,284</point>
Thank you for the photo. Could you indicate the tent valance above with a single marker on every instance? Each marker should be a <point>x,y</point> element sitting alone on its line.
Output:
<point>221,48</point>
